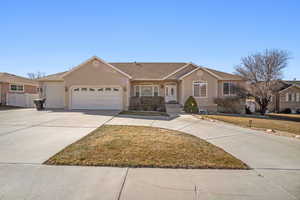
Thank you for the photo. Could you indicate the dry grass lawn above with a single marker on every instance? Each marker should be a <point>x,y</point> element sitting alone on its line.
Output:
<point>138,146</point>
<point>276,124</point>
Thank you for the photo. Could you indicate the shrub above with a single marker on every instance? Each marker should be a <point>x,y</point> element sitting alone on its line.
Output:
<point>156,103</point>
<point>229,105</point>
<point>190,106</point>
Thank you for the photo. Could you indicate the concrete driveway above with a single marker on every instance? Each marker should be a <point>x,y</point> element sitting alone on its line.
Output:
<point>28,138</point>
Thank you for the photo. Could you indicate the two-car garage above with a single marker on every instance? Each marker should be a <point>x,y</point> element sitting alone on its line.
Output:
<point>96,98</point>
<point>92,85</point>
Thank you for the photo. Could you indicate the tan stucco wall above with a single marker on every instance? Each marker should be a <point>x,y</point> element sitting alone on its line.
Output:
<point>212,90</point>
<point>283,104</point>
<point>93,75</point>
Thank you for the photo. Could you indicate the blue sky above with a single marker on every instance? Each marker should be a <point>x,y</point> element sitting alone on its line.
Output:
<point>53,36</point>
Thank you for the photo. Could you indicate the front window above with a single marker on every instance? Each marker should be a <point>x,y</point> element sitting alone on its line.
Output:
<point>155,91</point>
<point>16,88</point>
<point>137,91</point>
<point>146,90</point>
<point>229,89</point>
<point>200,89</point>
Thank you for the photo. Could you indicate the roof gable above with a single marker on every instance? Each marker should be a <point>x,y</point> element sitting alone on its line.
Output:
<point>98,59</point>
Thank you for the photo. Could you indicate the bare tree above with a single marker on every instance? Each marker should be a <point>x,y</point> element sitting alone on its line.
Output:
<point>263,71</point>
<point>36,75</point>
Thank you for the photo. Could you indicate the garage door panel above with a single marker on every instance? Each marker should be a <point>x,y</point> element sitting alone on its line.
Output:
<point>102,98</point>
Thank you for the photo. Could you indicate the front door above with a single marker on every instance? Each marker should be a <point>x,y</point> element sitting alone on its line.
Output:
<point>170,93</point>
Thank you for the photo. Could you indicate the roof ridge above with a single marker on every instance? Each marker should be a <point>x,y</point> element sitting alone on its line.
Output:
<point>152,62</point>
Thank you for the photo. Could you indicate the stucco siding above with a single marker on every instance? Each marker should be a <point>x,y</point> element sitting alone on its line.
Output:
<point>212,84</point>
<point>95,74</point>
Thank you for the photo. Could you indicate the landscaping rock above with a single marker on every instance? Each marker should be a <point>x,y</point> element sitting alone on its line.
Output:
<point>270,131</point>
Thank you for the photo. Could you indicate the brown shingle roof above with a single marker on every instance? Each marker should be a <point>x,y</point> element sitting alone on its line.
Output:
<point>295,82</point>
<point>224,75</point>
<point>153,71</point>
<point>53,77</point>
<point>148,70</point>
<point>11,78</point>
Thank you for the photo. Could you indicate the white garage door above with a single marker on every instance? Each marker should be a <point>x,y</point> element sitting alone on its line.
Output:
<point>97,98</point>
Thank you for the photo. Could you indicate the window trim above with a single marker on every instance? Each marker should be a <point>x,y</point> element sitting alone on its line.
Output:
<point>200,82</point>
<point>21,91</point>
<point>229,90</point>
<point>140,90</point>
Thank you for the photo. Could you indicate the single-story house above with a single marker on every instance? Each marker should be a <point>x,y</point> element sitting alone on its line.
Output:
<point>287,97</point>
<point>17,90</point>
<point>97,84</point>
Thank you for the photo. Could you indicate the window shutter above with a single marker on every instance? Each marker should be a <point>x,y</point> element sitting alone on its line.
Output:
<point>298,97</point>
<point>287,97</point>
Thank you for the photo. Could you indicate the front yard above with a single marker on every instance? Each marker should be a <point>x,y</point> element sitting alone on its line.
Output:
<point>261,123</point>
<point>139,146</point>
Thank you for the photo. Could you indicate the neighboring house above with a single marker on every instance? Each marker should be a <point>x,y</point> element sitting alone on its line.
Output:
<point>17,90</point>
<point>96,84</point>
<point>288,97</point>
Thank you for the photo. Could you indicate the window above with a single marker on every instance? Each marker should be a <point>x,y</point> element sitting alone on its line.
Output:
<point>107,89</point>
<point>100,90</point>
<point>292,97</point>
<point>116,89</point>
<point>288,97</point>
<point>200,89</point>
<point>229,89</point>
<point>16,88</point>
<point>137,91</point>
<point>76,89</point>
<point>92,90</point>
<point>146,90</point>
<point>155,91</point>
<point>40,90</point>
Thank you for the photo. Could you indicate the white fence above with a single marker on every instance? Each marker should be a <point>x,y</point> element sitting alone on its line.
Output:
<point>21,100</point>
